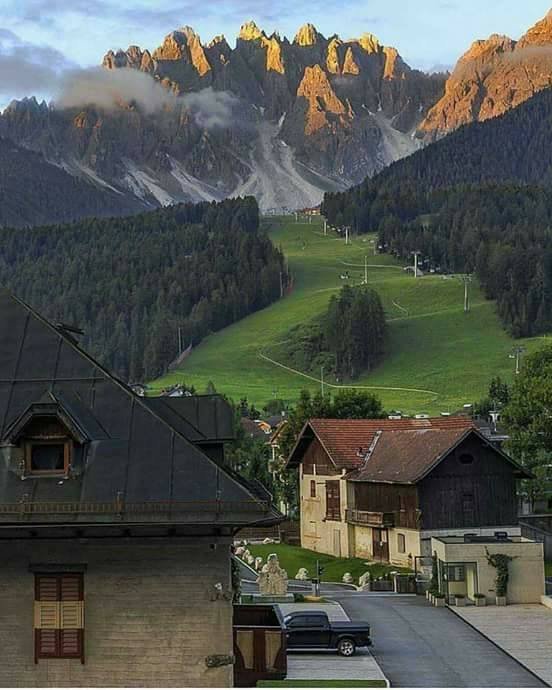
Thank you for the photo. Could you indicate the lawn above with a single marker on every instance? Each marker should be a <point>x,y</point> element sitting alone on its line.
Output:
<point>321,684</point>
<point>438,357</point>
<point>548,569</point>
<point>294,557</point>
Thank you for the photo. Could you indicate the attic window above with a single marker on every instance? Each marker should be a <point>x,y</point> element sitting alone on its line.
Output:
<point>47,457</point>
<point>466,459</point>
<point>47,447</point>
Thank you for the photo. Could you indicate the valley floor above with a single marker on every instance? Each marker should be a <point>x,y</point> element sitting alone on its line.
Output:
<point>438,357</point>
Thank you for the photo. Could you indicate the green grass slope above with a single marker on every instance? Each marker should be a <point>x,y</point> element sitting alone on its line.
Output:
<point>438,357</point>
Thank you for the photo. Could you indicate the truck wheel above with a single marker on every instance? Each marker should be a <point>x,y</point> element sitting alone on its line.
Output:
<point>346,647</point>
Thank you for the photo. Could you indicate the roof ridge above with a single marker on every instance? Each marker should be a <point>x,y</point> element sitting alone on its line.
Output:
<point>126,389</point>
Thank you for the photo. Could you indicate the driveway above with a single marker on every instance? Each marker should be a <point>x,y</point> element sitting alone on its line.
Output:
<point>523,630</point>
<point>418,645</point>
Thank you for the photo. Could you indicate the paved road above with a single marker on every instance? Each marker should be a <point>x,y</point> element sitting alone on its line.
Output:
<point>418,645</point>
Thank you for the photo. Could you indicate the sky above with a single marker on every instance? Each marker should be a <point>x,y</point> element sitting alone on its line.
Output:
<point>42,39</point>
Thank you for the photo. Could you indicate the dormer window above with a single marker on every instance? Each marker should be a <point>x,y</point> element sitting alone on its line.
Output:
<point>47,457</point>
<point>47,447</point>
<point>46,440</point>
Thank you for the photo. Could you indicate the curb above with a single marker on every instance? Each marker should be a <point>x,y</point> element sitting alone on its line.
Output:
<point>495,644</point>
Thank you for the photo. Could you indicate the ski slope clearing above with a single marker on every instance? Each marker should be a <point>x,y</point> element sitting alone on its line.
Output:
<point>438,357</point>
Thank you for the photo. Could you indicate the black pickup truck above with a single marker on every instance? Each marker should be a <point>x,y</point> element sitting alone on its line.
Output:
<point>312,631</point>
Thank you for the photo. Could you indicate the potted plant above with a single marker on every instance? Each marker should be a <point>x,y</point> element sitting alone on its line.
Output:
<point>459,599</point>
<point>439,599</point>
<point>500,562</point>
<point>480,599</point>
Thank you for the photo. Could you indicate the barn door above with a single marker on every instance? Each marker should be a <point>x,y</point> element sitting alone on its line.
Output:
<point>380,544</point>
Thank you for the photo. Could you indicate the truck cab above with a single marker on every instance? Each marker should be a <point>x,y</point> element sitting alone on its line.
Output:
<point>313,631</point>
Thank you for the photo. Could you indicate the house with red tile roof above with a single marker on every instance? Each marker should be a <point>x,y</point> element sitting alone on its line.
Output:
<point>380,489</point>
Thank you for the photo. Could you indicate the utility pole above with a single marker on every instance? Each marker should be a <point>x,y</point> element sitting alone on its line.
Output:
<point>517,353</point>
<point>296,214</point>
<point>325,226</point>
<point>322,380</point>
<point>179,340</point>
<point>466,279</point>
<point>365,270</point>
<point>415,255</point>
<point>347,228</point>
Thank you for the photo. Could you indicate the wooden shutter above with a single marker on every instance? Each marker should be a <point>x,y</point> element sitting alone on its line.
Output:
<point>71,587</point>
<point>47,588</point>
<point>47,615</point>
<point>59,616</point>
<point>46,644</point>
<point>333,507</point>
<point>71,644</point>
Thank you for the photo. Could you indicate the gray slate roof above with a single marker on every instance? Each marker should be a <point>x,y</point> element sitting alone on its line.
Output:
<point>142,455</point>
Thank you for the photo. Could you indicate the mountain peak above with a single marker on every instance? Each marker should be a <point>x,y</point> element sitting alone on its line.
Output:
<point>369,43</point>
<point>250,32</point>
<point>540,34</point>
<point>307,35</point>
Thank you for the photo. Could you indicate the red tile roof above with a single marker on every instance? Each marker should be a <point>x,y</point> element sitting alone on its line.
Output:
<point>343,438</point>
<point>405,456</point>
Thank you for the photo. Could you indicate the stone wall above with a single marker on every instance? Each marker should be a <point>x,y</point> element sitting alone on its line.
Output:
<point>152,614</point>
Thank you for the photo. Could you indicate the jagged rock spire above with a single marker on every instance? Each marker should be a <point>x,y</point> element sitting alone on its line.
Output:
<point>307,36</point>
<point>250,32</point>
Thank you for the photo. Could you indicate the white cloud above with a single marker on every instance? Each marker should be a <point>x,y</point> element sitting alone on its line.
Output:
<point>109,89</point>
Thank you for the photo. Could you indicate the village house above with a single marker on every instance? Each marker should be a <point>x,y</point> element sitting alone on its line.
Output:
<point>381,489</point>
<point>117,515</point>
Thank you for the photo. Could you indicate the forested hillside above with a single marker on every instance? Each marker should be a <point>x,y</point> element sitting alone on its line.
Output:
<point>463,203</point>
<point>35,192</point>
<point>348,340</point>
<point>131,283</point>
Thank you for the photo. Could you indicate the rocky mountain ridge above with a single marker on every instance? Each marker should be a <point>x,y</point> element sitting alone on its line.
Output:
<point>492,77</point>
<point>284,119</point>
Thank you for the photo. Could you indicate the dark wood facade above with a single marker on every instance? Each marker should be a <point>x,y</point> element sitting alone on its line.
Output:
<point>315,455</point>
<point>474,486</point>
<point>399,499</point>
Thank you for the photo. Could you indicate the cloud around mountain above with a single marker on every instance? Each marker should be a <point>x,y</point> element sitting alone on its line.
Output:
<point>109,89</point>
<point>27,68</point>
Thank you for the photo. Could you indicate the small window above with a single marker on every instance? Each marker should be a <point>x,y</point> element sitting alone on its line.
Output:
<point>456,573</point>
<point>401,543</point>
<point>333,501</point>
<point>468,505</point>
<point>59,616</point>
<point>48,457</point>
<point>313,488</point>
<point>466,459</point>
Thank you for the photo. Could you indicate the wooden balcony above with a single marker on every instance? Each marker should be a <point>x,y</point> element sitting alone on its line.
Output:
<point>369,518</point>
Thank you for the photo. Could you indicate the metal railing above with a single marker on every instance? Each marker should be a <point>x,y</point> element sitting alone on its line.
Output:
<point>121,507</point>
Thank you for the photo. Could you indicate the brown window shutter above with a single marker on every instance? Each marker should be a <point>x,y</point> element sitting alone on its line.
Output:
<point>46,644</point>
<point>47,588</point>
<point>71,588</point>
<point>333,507</point>
<point>59,616</point>
<point>71,644</point>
